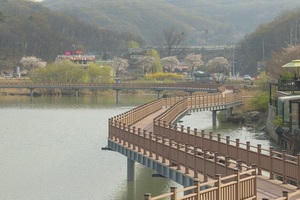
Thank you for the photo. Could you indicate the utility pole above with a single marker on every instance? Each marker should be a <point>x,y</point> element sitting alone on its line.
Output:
<point>73,53</point>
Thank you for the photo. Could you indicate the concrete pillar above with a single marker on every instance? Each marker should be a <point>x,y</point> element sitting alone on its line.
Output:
<point>117,96</point>
<point>214,119</point>
<point>158,94</point>
<point>229,112</point>
<point>130,169</point>
<point>31,92</point>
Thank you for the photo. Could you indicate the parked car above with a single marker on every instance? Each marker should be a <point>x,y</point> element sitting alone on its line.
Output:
<point>247,77</point>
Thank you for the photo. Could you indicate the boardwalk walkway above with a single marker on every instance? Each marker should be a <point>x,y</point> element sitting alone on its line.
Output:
<point>266,188</point>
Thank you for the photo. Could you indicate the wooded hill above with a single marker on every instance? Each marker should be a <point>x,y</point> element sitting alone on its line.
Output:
<point>29,29</point>
<point>226,21</point>
<point>257,47</point>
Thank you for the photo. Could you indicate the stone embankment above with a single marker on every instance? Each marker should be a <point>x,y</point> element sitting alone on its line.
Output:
<point>251,119</point>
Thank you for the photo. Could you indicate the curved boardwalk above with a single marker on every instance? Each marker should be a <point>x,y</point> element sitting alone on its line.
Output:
<point>230,169</point>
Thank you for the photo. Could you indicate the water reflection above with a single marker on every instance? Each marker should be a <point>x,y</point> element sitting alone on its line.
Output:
<point>50,148</point>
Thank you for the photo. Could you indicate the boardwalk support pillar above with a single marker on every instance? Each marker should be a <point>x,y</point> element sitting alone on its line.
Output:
<point>76,92</point>
<point>229,112</point>
<point>31,92</point>
<point>214,119</point>
<point>130,169</point>
<point>158,92</point>
<point>117,95</point>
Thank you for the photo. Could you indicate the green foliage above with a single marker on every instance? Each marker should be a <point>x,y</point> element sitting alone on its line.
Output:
<point>287,75</point>
<point>27,28</point>
<point>263,81</point>
<point>278,120</point>
<point>99,74</point>
<point>64,72</point>
<point>163,76</point>
<point>133,44</point>
<point>268,38</point>
<point>156,66</point>
<point>67,72</point>
<point>260,101</point>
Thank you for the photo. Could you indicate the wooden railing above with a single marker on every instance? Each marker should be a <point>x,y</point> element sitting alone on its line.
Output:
<point>196,151</point>
<point>234,186</point>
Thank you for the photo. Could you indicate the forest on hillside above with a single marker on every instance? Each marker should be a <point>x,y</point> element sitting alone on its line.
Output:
<point>258,47</point>
<point>214,22</point>
<point>29,29</point>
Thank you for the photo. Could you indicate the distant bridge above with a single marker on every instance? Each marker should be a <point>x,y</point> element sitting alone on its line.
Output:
<point>157,87</point>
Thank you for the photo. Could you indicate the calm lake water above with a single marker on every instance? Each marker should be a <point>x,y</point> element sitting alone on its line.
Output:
<point>50,148</point>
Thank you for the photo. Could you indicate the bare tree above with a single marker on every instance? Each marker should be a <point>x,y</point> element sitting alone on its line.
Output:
<point>170,41</point>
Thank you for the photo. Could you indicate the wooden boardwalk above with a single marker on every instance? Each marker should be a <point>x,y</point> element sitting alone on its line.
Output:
<point>266,188</point>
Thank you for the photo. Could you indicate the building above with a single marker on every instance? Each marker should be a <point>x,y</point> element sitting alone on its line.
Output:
<point>77,57</point>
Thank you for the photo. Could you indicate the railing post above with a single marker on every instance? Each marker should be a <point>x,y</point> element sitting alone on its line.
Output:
<point>186,158</point>
<point>285,194</point>
<point>163,149</point>
<point>284,181</point>
<point>219,140</point>
<point>139,139</point>
<point>237,189</point>
<point>156,147</point>
<point>174,193</point>
<point>147,196</point>
<point>210,140</point>
<point>188,134</point>
<point>248,149</point>
<point>195,136</point>
<point>237,146</point>
<point>258,159</point>
<point>253,166</point>
<point>271,163</point>
<point>144,139</point>
<point>202,138</point>
<point>171,141</point>
<point>218,184</point>
<point>181,132</point>
<point>150,146</point>
<point>298,171</point>
<point>204,165</point>
<point>195,162</point>
<point>197,189</point>
<point>227,163</point>
<point>178,149</point>
<point>216,155</point>
<point>227,144</point>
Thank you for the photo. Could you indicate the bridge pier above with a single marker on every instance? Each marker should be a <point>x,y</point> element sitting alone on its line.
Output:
<point>31,92</point>
<point>214,119</point>
<point>130,169</point>
<point>229,112</point>
<point>158,93</point>
<point>76,93</point>
<point>117,95</point>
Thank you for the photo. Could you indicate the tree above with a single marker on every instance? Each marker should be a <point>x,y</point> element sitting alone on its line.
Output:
<point>98,74</point>
<point>31,62</point>
<point>218,65</point>
<point>120,65</point>
<point>62,72</point>
<point>170,62</point>
<point>193,61</point>
<point>278,59</point>
<point>152,60</point>
<point>170,41</point>
<point>133,44</point>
